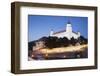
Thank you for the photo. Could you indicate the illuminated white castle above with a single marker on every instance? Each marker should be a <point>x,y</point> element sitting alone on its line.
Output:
<point>68,32</point>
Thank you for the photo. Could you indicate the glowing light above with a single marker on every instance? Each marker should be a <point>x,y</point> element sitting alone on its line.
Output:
<point>64,49</point>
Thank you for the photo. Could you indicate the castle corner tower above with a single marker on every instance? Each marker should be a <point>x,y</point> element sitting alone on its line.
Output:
<point>51,32</point>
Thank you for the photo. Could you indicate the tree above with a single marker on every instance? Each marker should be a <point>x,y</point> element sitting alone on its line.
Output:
<point>82,40</point>
<point>30,45</point>
<point>51,42</point>
<point>54,42</point>
<point>73,41</point>
<point>65,41</point>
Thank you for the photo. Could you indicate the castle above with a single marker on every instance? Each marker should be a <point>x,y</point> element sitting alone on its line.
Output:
<point>68,32</point>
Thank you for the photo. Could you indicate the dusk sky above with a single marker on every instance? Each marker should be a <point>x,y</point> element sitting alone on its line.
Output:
<point>40,25</point>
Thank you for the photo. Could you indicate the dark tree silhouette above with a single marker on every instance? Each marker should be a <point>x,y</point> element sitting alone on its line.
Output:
<point>30,45</point>
<point>54,42</point>
<point>65,41</point>
<point>51,42</point>
<point>73,41</point>
<point>82,40</point>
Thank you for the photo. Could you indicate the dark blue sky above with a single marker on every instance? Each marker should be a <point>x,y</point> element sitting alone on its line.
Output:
<point>40,25</point>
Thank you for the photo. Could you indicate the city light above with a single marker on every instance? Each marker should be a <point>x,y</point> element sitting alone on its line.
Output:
<point>64,49</point>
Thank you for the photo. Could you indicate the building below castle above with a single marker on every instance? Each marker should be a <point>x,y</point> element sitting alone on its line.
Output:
<point>68,32</point>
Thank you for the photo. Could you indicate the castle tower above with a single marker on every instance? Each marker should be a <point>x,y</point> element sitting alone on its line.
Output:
<point>69,30</point>
<point>51,32</point>
<point>69,27</point>
<point>79,34</point>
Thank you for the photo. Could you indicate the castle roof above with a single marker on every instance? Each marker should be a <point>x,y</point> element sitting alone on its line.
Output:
<point>59,32</point>
<point>62,32</point>
<point>68,22</point>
